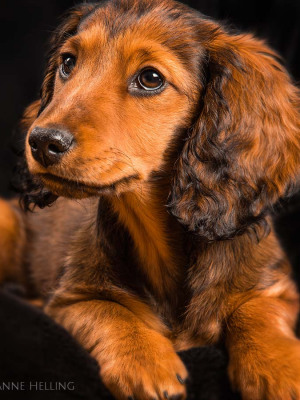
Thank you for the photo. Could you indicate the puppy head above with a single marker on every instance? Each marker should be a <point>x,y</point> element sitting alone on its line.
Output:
<point>121,79</point>
<point>125,77</point>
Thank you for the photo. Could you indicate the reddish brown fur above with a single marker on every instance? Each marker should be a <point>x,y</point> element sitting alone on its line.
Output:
<point>219,145</point>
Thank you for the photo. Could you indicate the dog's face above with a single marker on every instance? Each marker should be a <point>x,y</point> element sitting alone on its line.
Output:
<point>130,82</point>
<point>120,91</point>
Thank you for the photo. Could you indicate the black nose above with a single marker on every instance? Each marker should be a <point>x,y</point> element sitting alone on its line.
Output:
<point>48,145</point>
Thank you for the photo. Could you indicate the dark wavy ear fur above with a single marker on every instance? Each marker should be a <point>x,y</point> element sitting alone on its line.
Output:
<point>32,192</point>
<point>243,152</point>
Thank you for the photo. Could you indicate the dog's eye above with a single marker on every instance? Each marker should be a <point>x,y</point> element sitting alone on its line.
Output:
<point>150,79</point>
<point>67,65</point>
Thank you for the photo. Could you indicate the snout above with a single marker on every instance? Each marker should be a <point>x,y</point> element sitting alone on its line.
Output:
<point>49,145</point>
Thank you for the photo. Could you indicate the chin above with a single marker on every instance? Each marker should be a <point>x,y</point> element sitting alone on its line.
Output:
<point>78,189</point>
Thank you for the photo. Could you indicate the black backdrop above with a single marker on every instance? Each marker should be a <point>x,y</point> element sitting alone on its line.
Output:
<point>31,346</point>
<point>25,28</point>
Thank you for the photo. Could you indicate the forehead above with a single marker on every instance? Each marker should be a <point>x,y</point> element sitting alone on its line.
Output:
<point>147,26</point>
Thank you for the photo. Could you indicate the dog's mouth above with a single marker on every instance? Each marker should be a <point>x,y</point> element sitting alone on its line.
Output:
<point>77,189</point>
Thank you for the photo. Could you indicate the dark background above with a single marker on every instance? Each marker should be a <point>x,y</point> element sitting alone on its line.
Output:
<point>25,28</point>
<point>32,347</point>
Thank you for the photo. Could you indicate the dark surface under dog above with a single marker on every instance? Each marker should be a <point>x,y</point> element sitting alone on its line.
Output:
<point>35,350</point>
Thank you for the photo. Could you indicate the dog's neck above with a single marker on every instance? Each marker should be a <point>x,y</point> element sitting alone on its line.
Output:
<point>170,258</point>
<point>157,237</point>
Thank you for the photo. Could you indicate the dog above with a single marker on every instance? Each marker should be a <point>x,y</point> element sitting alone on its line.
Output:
<point>163,141</point>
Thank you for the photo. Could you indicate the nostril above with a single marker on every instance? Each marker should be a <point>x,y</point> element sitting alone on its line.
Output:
<point>52,148</point>
<point>59,144</point>
<point>33,145</point>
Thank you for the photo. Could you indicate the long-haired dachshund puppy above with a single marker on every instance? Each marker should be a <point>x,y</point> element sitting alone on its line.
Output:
<point>176,138</point>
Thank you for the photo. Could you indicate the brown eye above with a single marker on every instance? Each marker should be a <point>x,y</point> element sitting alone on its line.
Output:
<point>150,79</point>
<point>67,65</point>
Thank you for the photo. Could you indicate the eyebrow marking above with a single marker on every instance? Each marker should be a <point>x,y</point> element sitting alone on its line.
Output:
<point>73,41</point>
<point>87,16</point>
<point>140,54</point>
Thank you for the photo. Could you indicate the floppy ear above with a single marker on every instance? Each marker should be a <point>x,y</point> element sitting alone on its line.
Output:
<point>66,29</point>
<point>243,152</point>
<point>29,187</point>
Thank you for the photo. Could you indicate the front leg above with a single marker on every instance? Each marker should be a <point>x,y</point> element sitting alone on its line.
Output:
<point>264,354</point>
<point>136,361</point>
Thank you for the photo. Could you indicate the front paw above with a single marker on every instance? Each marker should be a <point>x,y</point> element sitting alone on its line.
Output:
<point>142,368</point>
<point>270,371</point>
